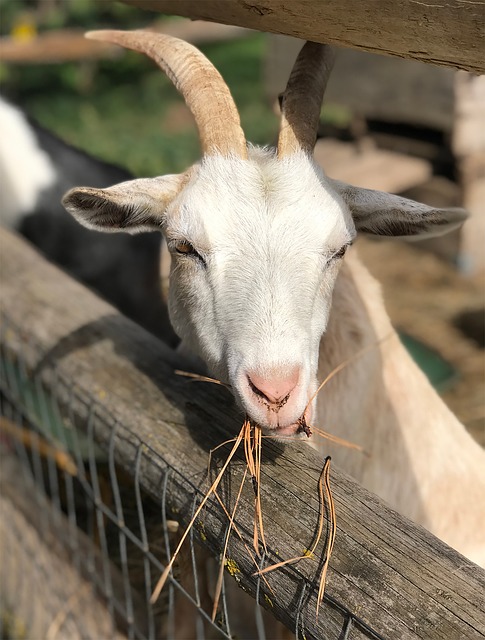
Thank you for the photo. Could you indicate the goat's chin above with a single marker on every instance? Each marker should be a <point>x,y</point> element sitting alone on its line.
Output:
<point>284,432</point>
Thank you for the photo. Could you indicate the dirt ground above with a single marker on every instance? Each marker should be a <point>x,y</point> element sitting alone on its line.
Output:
<point>425,296</point>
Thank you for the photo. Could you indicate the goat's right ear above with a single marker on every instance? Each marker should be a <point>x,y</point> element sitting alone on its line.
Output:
<point>133,206</point>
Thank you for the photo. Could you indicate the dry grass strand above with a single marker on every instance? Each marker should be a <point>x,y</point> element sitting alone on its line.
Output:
<point>33,440</point>
<point>332,535</point>
<point>218,589</point>
<point>341,441</point>
<point>163,578</point>
<point>195,377</point>
<point>346,362</point>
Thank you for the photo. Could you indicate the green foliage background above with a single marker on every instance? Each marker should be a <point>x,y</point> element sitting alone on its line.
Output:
<point>125,110</point>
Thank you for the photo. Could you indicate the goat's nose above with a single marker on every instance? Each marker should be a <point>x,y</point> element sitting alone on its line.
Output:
<point>274,388</point>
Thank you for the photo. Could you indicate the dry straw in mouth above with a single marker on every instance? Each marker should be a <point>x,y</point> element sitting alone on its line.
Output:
<point>251,437</point>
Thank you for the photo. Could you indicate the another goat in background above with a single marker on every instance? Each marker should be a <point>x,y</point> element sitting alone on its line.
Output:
<point>36,169</point>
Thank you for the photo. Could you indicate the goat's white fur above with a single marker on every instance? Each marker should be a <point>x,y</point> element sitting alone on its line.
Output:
<point>25,169</point>
<point>258,298</point>
<point>255,313</point>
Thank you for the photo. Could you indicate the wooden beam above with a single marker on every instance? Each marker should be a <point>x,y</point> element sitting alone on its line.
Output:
<point>393,576</point>
<point>67,45</point>
<point>63,45</point>
<point>448,33</point>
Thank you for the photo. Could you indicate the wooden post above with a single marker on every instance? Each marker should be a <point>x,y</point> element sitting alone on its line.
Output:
<point>469,148</point>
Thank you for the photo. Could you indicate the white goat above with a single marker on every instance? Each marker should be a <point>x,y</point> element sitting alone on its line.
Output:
<point>257,238</point>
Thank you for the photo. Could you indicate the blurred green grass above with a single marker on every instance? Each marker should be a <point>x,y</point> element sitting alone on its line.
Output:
<point>127,112</point>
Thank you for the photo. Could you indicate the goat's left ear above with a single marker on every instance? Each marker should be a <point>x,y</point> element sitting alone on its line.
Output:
<point>385,214</point>
<point>133,206</point>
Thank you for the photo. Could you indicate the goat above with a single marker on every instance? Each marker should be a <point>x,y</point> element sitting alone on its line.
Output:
<point>36,168</point>
<point>260,291</point>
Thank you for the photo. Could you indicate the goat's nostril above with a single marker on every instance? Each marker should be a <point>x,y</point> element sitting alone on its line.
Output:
<point>274,389</point>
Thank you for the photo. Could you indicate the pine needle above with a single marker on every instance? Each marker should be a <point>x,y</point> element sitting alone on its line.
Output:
<point>341,441</point>
<point>252,452</point>
<point>259,510</point>
<point>240,536</point>
<point>332,534</point>
<point>325,495</point>
<point>218,588</point>
<point>163,578</point>
<point>219,446</point>
<point>198,378</point>
<point>33,440</point>
<point>346,362</point>
<point>311,552</point>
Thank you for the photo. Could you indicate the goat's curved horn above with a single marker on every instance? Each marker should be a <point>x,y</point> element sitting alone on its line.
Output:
<point>302,99</point>
<point>205,92</point>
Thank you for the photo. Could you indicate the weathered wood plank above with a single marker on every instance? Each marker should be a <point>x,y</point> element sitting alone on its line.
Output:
<point>61,45</point>
<point>450,34</point>
<point>395,577</point>
<point>36,546</point>
<point>64,45</point>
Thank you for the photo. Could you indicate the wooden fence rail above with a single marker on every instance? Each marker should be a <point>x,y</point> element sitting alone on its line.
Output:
<point>389,575</point>
<point>448,33</point>
<point>65,45</point>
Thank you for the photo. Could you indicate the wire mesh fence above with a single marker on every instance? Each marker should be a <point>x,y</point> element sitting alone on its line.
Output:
<point>111,530</point>
<point>104,463</point>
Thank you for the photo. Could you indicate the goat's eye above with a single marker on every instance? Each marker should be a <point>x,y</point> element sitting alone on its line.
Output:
<point>183,247</point>
<point>341,252</point>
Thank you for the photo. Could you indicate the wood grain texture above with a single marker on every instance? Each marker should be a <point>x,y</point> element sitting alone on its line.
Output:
<point>393,576</point>
<point>37,550</point>
<point>448,33</point>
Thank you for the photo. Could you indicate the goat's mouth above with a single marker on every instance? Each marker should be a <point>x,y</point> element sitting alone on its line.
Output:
<point>297,429</point>
<point>280,415</point>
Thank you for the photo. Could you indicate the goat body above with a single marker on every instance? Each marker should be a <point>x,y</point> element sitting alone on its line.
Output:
<point>418,456</point>
<point>260,291</point>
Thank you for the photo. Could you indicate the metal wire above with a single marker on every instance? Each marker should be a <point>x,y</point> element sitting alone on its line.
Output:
<point>130,535</point>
